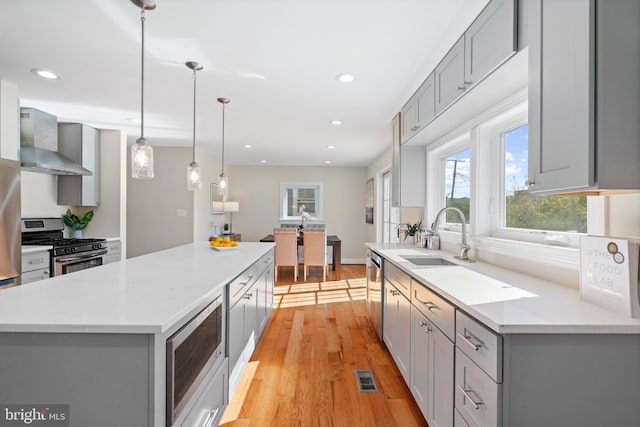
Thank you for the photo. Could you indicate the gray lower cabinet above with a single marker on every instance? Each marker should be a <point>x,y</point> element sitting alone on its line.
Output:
<point>114,249</point>
<point>250,303</point>
<point>213,399</point>
<point>584,95</point>
<point>397,328</point>
<point>432,370</point>
<point>35,266</point>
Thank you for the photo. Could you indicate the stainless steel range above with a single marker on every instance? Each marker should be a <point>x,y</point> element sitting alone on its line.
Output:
<point>67,255</point>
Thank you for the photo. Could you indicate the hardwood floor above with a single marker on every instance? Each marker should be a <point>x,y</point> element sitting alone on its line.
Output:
<point>302,371</point>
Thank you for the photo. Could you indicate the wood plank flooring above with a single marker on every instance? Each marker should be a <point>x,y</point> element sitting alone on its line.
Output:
<point>302,371</point>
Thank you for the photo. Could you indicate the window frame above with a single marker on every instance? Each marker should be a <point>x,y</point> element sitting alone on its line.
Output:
<point>296,185</point>
<point>487,183</point>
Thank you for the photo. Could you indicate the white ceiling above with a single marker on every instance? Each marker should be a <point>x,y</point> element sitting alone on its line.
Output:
<point>276,60</point>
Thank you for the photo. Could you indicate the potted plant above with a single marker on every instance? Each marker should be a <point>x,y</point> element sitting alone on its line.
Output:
<point>75,223</point>
<point>410,231</point>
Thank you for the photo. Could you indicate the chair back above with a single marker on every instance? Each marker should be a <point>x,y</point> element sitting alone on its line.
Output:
<point>286,250</point>
<point>315,247</point>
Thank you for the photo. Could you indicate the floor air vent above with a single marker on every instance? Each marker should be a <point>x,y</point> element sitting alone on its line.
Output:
<point>366,382</point>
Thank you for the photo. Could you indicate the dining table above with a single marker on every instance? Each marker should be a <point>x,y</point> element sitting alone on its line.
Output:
<point>333,241</point>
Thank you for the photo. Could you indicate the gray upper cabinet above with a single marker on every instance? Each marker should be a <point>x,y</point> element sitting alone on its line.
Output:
<point>395,167</point>
<point>81,144</point>
<point>584,96</point>
<point>490,40</point>
<point>419,110</point>
<point>449,76</point>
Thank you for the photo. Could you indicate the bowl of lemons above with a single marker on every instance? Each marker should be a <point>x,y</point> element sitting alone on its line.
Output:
<point>222,243</point>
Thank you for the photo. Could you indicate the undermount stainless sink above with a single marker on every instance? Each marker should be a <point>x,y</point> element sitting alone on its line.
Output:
<point>427,260</point>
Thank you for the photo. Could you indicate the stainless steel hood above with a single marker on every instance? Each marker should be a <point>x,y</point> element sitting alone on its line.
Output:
<point>39,145</point>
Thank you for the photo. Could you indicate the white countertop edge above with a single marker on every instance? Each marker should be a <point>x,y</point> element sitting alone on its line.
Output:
<point>584,322</point>
<point>132,313</point>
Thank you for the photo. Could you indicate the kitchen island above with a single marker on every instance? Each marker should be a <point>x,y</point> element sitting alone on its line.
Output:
<point>96,339</point>
<point>489,347</point>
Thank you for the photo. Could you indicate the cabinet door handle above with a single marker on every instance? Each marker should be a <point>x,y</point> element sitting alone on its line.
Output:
<point>463,87</point>
<point>468,83</point>
<point>415,128</point>
<point>427,304</point>
<point>248,296</point>
<point>466,339</point>
<point>394,292</point>
<point>466,392</point>
<point>211,418</point>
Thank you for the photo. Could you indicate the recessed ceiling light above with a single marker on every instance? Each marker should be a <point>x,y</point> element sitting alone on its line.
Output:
<point>326,162</point>
<point>134,120</point>
<point>336,122</point>
<point>46,74</point>
<point>248,146</point>
<point>263,161</point>
<point>331,147</point>
<point>345,78</point>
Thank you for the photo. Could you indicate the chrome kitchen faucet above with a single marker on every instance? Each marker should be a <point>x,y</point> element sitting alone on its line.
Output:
<point>433,238</point>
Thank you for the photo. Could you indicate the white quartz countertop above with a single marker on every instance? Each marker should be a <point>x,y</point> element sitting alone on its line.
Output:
<point>154,293</point>
<point>506,301</point>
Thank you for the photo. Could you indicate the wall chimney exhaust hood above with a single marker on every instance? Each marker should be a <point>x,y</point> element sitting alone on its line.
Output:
<point>39,145</point>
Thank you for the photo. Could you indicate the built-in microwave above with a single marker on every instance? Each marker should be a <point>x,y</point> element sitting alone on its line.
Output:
<point>191,352</point>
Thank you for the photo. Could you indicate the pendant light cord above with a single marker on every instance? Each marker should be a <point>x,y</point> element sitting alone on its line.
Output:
<point>222,138</point>
<point>194,116</point>
<point>142,19</point>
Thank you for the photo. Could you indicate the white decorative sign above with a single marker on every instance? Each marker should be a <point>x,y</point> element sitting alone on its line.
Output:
<point>609,274</point>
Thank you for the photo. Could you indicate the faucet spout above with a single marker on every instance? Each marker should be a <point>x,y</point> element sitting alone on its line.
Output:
<point>464,247</point>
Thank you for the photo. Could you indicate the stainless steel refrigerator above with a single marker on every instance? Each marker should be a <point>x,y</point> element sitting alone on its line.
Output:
<point>10,229</point>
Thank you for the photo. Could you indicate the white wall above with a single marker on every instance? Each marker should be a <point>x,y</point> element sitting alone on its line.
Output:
<point>624,215</point>
<point>152,204</point>
<point>257,188</point>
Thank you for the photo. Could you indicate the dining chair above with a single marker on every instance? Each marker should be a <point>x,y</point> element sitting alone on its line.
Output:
<point>286,250</point>
<point>315,251</point>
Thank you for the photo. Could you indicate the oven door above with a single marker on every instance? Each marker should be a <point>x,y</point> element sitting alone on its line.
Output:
<point>69,263</point>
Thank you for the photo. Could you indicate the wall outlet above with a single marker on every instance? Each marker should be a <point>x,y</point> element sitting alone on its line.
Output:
<point>182,212</point>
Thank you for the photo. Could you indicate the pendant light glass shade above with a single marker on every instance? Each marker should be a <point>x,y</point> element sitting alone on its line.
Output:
<point>141,151</point>
<point>223,180</point>
<point>194,178</point>
<point>141,160</point>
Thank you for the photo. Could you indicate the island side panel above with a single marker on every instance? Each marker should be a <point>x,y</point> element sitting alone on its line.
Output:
<point>588,380</point>
<point>104,378</point>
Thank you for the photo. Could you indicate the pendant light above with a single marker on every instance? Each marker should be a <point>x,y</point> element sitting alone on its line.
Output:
<point>194,179</point>
<point>141,151</point>
<point>223,180</point>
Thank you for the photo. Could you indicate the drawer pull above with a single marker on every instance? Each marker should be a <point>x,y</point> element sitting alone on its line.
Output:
<point>248,296</point>
<point>428,304</point>
<point>211,418</point>
<point>35,261</point>
<point>394,292</point>
<point>245,283</point>
<point>466,339</point>
<point>468,396</point>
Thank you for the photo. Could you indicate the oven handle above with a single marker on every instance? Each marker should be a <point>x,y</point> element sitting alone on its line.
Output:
<point>66,258</point>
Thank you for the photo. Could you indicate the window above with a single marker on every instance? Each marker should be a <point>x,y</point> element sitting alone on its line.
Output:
<point>457,180</point>
<point>295,195</point>
<point>523,210</point>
